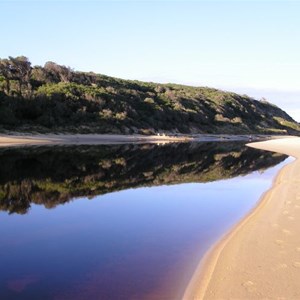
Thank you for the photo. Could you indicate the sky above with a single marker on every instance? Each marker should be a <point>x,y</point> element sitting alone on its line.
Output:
<point>249,47</point>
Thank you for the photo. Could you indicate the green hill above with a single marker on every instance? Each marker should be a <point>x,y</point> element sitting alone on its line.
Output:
<point>55,98</point>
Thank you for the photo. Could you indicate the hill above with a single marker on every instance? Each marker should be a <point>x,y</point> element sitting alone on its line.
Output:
<point>55,98</point>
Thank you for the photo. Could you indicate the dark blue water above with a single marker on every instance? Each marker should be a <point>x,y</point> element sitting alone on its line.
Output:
<point>136,243</point>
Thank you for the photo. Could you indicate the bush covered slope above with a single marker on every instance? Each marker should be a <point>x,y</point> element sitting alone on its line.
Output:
<point>56,98</point>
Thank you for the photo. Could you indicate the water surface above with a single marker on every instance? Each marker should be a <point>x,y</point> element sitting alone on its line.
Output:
<point>120,222</point>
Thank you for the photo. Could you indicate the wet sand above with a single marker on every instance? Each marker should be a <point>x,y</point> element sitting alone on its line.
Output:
<point>260,257</point>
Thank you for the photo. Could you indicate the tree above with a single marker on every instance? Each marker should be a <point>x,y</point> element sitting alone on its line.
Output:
<point>21,71</point>
<point>6,72</point>
<point>60,73</point>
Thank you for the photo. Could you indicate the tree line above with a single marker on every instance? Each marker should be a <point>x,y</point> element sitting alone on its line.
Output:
<point>20,69</point>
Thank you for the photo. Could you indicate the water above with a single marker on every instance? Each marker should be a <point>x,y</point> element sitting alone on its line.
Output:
<point>120,222</point>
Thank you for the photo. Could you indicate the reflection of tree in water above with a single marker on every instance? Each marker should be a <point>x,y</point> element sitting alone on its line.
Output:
<point>54,175</point>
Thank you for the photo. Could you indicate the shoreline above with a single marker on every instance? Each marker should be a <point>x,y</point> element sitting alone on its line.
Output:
<point>246,263</point>
<point>22,139</point>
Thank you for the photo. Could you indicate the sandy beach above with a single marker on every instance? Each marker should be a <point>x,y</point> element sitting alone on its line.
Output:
<point>260,257</point>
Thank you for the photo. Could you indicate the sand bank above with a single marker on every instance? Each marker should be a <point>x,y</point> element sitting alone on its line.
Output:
<point>84,139</point>
<point>19,139</point>
<point>260,257</point>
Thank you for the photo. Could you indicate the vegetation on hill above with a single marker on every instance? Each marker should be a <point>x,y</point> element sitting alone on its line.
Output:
<point>51,176</point>
<point>56,98</point>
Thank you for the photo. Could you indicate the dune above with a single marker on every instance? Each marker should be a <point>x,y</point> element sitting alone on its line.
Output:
<point>260,257</point>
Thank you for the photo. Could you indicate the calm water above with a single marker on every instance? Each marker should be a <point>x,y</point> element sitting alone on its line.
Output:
<point>120,222</point>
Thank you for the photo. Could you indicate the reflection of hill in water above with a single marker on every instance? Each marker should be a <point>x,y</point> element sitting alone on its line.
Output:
<point>54,175</point>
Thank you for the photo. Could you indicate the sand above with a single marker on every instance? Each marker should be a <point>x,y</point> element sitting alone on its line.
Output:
<point>84,139</point>
<point>260,257</point>
<point>21,139</point>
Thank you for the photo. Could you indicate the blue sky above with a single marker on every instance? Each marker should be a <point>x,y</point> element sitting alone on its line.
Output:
<point>251,47</point>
